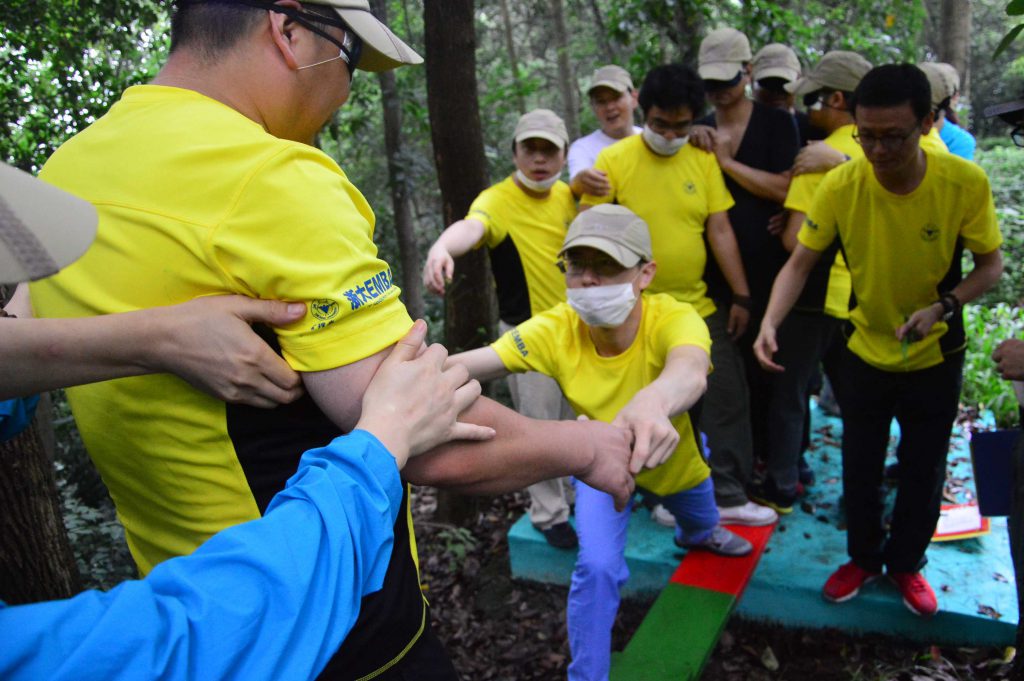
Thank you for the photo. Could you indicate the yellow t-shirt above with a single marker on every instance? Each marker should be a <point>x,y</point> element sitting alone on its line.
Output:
<point>195,199</point>
<point>557,343</point>
<point>674,195</point>
<point>524,234</point>
<point>932,142</point>
<point>899,248</point>
<point>800,197</point>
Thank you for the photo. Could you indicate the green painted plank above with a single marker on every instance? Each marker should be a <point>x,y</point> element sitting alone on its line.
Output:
<point>676,637</point>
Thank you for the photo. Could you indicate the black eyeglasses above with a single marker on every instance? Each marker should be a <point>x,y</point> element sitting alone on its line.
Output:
<point>888,142</point>
<point>1017,135</point>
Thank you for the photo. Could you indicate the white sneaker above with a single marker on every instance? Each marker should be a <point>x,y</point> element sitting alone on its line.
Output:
<point>662,516</point>
<point>749,513</point>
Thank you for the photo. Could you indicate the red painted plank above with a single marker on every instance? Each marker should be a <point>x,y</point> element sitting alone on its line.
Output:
<point>725,575</point>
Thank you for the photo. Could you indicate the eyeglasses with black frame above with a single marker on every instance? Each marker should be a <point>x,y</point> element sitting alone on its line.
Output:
<point>889,142</point>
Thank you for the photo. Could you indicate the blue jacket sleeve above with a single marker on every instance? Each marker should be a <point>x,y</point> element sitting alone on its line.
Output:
<point>270,599</point>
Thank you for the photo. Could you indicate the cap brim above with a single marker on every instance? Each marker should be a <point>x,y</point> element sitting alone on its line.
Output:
<point>42,228</point>
<point>803,85</point>
<point>618,87</point>
<point>382,49</point>
<point>544,135</point>
<point>619,253</point>
<point>1015,106</point>
<point>783,72</point>
<point>719,70</point>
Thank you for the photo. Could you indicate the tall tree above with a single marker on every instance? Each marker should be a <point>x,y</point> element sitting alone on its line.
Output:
<point>955,40</point>
<point>450,44</point>
<point>566,81</point>
<point>398,182</point>
<point>513,59</point>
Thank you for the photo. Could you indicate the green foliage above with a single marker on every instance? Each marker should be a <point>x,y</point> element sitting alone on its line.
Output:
<point>986,328</point>
<point>1014,8</point>
<point>1005,168</point>
<point>457,543</point>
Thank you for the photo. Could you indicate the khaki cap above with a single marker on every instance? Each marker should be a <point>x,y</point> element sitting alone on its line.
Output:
<point>613,77</point>
<point>837,70</point>
<point>775,60</point>
<point>42,228</point>
<point>611,229</point>
<point>382,49</point>
<point>952,73</point>
<point>542,123</point>
<point>941,84</point>
<point>722,54</point>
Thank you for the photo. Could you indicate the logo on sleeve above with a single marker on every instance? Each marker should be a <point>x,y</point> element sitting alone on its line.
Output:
<point>324,309</point>
<point>930,232</point>
<point>371,291</point>
<point>520,344</point>
<point>811,224</point>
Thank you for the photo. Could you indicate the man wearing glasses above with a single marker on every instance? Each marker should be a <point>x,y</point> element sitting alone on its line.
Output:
<point>902,216</point>
<point>207,181</point>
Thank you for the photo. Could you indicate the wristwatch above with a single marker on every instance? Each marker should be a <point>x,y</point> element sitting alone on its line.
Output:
<point>950,305</point>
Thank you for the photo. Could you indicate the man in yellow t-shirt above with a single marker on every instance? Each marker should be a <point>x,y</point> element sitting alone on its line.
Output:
<point>206,182</point>
<point>634,359</point>
<point>681,194</point>
<point>902,216</point>
<point>522,221</point>
<point>809,332</point>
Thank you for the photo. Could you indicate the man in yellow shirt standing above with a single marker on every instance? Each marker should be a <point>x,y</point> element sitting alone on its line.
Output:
<point>522,221</point>
<point>902,216</point>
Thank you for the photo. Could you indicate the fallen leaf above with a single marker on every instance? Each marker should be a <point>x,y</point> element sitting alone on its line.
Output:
<point>769,660</point>
<point>989,611</point>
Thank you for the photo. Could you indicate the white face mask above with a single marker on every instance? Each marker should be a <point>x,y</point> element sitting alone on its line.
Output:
<point>539,186</point>
<point>605,306</point>
<point>661,145</point>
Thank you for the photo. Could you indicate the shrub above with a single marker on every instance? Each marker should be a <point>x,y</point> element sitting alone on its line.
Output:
<point>986,328</point>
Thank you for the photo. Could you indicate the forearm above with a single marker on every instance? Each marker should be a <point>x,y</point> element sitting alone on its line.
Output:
<point>460,237</point>
<point>771,186</point>
<point>788,285</point>
<point>793,225</point>
<point>726,251</point>
<point>988,267</point>
<point>677,389</point>
<point>525,451</point>
<point>483,364</point>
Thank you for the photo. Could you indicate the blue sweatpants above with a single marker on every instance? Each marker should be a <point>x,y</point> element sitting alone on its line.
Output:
<point>601,567</point>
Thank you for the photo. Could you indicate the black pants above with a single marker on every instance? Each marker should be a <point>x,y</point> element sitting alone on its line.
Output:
<point>924,404</point>
<point>427,661</point>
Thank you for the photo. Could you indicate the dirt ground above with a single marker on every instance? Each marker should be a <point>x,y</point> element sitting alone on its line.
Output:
<point>500,629</point>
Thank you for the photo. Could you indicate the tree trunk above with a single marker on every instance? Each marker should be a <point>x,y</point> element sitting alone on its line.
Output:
<point>513,60</point>
<point>455,131</point>
<point>36,561</point>
<point>689,25</point>
<point>566,81</point>
<point>955,40</point>
<point>610,55</point>
<point>408,253</point>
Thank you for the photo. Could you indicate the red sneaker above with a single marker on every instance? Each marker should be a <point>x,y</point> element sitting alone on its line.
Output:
<point>917,593</point>
<point>845,583</point>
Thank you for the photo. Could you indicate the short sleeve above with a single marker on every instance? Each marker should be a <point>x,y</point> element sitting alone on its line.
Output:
<point>719,198</point>
<point>534,344</point>
<point>300,231</point>
<point>980,229</point>
<point>801,192</point>
<point>604,164</point>
<point>820,226</point>
<point>486,208</point>
<point>680,324</point>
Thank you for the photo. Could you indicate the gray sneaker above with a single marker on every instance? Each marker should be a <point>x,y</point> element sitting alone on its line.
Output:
<point>723,542</point>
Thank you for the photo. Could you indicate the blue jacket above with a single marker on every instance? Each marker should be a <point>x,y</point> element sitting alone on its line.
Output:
<point>958,140</point>
<point>269,599</point>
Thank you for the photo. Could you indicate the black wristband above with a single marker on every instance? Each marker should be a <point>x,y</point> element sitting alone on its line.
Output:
<point>742,301</point>
<point>950,305</point>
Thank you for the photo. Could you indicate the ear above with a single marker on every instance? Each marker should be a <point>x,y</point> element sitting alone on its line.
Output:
<point>647,272</point>
<point>284,34</point>
<point>837,100</point>
<point>927,123</point>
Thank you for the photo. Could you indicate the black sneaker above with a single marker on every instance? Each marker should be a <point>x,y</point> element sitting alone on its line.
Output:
<point>767,494</point>
<point>561,536</point>
<point>804,471</point>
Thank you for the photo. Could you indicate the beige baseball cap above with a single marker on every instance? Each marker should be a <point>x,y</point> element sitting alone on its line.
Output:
<point>613,77</point>
<point>775,60</point>
<point>611,229</point>
<point>837,70</point>
<point>382,49</point>
<point>542,123</point>
<point>939,79</point>
<point>42,228</point>
<point>722,54</point>
<point>951,73</point>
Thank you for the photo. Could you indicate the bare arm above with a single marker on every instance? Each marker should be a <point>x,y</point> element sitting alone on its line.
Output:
<point>817,157</point>
<point>207,342</point>
<point>590,181</point>
<point>987,269</point>
<point>648,414</point>
<point>483,364</point>
<point>727,254</point>
<point>793,225</point>
<point>524,451</point>
<point>1009,359</point>
<point>771,186</point>
<point>457,240</point>
<point>788,285</point>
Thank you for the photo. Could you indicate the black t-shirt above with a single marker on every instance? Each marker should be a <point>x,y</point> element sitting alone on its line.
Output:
<point>770,143</point>
<point>808,132</point>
